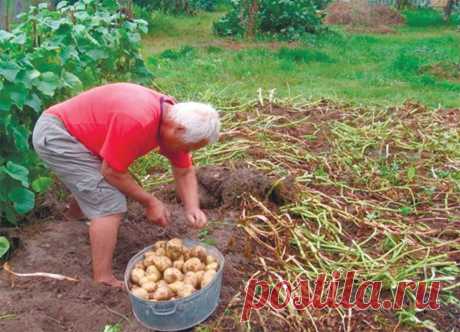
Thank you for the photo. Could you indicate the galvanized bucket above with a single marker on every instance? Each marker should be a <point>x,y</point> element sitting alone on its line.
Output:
<point>179,314</point>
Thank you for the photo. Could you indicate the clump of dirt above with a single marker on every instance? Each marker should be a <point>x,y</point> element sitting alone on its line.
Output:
<point>228,186</point>
<point>358,14</point>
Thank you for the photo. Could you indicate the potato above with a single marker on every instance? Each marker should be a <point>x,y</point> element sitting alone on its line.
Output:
<point>178,264</point>
<point>153,273</point>
<point>149,260</point>
<point>174,248</point>
<point>140,292</point>
<point>159,244</point>
<point>149,253</point>
<point>210,259</point>
<point>139,265</point>
<point>163,293</point>
<point>200,252</point>
<point>213,266</point>
<point>143,280</point>
<point>192,278</point>
<point>148,278</point>
<point>207,278</point>
<point>137,274</point>
<point>185,291</point>
<point>161,262</point>
<point>171,274</point>
<point>162,283</point>
<point>160,252</point>
<point>186,253</point>
<point>176,285</point>
<point>149,286</point>
<point>193,264</point>
<point>199,274</point>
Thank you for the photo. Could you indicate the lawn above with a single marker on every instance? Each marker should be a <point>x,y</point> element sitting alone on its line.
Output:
<point>364,69</point>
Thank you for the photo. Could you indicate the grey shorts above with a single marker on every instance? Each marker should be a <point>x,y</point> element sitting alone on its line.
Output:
<point>77,167</point>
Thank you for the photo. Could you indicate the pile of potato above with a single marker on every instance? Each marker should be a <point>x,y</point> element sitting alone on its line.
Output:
<point>171,270</point>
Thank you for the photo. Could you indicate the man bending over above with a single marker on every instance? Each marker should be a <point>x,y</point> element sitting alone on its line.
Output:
<point>90,140</point>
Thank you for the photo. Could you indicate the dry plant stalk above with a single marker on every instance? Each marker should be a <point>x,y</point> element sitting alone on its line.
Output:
<point>8,269</point>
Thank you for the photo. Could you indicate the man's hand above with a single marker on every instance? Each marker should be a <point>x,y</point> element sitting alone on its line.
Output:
<point>196,218</point>
<point>157,213</point>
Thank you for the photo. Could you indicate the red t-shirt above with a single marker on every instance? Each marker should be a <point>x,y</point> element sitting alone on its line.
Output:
<point>119,123</point>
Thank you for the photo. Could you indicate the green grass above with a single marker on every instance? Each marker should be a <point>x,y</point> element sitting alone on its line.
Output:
<point>190,62</point>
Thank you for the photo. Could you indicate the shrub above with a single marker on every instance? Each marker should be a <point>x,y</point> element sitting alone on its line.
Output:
<point>187,7</point>
<point>424,17</point>
<point>49,56</point>
<point>282,18</point>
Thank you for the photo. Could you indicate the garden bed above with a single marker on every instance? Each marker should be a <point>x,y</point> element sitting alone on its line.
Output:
<point>356,183</point>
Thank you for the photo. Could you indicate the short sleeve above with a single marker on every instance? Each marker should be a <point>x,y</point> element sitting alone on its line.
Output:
<point>180,159</point>
<point>123,143</point>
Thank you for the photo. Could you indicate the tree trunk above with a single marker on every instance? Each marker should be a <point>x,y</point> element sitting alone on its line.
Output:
<point>252,18</point>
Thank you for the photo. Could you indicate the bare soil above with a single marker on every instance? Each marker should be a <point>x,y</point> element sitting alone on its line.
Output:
<point>359,16</point>
<point>39,304</point>
<point>49,244</point>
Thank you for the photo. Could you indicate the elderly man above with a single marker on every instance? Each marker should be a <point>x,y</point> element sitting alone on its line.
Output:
<point>90,140</point>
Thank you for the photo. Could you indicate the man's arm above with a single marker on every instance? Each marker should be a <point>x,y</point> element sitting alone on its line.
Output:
<point>187,188</point>
<point>123,181</point>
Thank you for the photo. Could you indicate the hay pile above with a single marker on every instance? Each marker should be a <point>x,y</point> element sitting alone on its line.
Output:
<point>359,15</point>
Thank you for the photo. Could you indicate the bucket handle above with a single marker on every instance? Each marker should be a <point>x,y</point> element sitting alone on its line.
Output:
<point>163,310</point>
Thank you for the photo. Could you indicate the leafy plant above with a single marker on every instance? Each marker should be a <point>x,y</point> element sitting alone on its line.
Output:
<point>282,18</point>
<point>48,56</point>
<point>113,328</point>
<point>187,7</point>
<point>4,246</point>
<point>423,17</point>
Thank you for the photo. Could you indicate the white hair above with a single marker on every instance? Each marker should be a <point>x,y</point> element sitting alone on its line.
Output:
<point>201,121</point>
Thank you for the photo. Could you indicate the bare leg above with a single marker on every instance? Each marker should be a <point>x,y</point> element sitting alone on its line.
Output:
<point>73,211</point>
<point>103,234</point>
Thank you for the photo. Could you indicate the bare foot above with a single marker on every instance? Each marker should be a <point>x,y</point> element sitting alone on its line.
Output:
<point>111,281</point>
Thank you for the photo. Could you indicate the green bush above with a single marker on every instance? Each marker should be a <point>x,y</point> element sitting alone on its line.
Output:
<point>51,55</point>
<point>188,7</point>
<point>286,19</point>
<point>424,17</point>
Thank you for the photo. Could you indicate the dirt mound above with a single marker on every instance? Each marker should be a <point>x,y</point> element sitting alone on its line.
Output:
<point>226,186</point>
<point>359,14</point>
